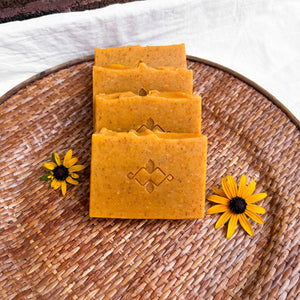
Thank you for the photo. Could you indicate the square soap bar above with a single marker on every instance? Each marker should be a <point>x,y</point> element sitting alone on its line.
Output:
<point>163,111</point>
<point>151,175</point>
<point>118,78</point>
<point>153,56</point>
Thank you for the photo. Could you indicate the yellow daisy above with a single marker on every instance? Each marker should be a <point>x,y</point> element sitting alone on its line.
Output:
<point>60,173</point>
<point>236,203</point>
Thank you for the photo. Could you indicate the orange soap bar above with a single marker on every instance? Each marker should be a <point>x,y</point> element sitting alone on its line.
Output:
<point>118,78</point>
<point>132,56</point>
<point>151,175</point>
<point>163,111</point>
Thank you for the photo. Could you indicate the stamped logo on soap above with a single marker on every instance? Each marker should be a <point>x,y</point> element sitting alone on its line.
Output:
<point>150,124</point>
<point>150,176</point>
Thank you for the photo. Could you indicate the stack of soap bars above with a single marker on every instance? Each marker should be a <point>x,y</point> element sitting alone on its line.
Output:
<point>148,154</point>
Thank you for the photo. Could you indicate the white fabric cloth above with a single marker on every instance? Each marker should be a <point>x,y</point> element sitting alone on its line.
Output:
<point>259,39</point>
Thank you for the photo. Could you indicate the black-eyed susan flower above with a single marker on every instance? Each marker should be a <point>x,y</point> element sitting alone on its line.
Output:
<point>236,203</point>
<point>61,173</point>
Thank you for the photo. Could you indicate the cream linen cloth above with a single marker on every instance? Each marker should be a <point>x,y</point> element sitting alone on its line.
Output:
<point>259,39</point>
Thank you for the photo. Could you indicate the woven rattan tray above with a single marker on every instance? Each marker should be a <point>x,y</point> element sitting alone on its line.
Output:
<point>51,249</point>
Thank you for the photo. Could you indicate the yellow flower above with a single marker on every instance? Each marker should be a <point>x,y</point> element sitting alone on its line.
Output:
<point>61,173</point>
<point>236,203</point>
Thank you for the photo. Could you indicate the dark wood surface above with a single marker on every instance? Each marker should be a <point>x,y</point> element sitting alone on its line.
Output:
<point>17,10</point>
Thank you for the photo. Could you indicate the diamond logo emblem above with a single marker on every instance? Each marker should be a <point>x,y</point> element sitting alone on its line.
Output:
<point>150,176</point>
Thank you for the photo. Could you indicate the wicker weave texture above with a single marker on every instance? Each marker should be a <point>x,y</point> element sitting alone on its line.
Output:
<point>51,249</point>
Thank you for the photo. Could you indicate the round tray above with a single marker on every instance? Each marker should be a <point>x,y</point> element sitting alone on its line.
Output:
<point>51,249</point>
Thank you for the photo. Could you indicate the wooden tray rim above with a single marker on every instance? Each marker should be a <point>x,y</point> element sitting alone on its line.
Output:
<point>239,76</point>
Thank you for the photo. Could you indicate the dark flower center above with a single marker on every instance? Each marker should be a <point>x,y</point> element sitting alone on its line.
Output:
<point>60,172</point>
<point>238,205</point>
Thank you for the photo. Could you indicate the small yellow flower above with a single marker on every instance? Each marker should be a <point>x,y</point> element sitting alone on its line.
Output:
<point>60,173</point>
<point>236,203</point>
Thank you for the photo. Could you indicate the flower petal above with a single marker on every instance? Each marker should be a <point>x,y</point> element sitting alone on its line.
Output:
<point>245,224</point>
<point>232,225</point>
<point>76,168</point>
<point>218,199</point>
<point>71,162</point>
<point>63,187</point>
<point>242,185</point>
<point>217,209</point>
<point>256,197</point>
<point>226,188</point>
<point>219,192</point>
<point>74,175</point>
<point>223,219</point>
<point>254,216</point>
<point>50,165</point>
<point>249,189</point>
<point>68,156</point>
<point>72,181</point>
<point>232,186</point>
<point>55,184</point>
<point>256,209</point>
<point>57,159</point>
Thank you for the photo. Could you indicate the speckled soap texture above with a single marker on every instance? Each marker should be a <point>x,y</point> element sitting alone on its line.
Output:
<point>148,175</point>
<point>153,56</point>
<point>162,111</point>
<point>120,78</point>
